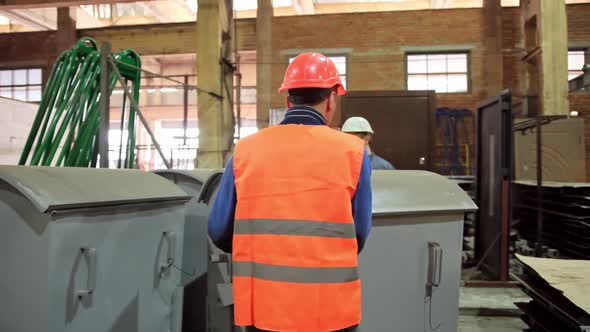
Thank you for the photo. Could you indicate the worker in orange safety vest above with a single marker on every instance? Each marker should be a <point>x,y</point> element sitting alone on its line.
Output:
<point>294,208</point>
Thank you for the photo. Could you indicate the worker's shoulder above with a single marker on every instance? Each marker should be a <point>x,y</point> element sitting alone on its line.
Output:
<point>323,133</point>
<point>259,135</point>
<point>346,140</point>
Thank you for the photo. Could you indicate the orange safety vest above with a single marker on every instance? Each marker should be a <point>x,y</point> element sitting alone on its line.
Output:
<point>294,245</point>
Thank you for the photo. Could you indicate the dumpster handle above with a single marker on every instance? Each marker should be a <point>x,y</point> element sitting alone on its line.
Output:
<point>439,253</point>
<point>435,254</point>
<point>171,236</point>
<point>90,253</point>
<point>171,255</point>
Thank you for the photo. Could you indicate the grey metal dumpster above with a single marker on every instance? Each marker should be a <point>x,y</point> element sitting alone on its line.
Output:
<point>411,264</point>
<point>195,234</point>
<point>207,294</point>
<point>89,250</point>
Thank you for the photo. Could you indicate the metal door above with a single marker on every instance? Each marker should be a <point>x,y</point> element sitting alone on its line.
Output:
<point>403,122</point>
<point>495,155</point>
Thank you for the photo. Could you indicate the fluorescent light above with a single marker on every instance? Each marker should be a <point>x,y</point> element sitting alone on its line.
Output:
<point>118,92</point>
<point>168,90</point>
<point>151,90</point>
<point>574,113</point>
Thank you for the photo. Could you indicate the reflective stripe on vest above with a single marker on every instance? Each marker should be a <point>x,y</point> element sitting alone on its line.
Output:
<point>294,248</point>
<point>295,227</point>
<point>295,274</point>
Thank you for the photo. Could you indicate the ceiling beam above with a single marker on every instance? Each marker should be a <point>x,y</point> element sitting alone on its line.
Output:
<point>157,39</point>
<point>26,4</point>
<point>304,7</point>
<point>28,19</point>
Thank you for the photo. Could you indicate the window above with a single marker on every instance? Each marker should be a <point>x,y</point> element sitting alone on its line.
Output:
<point>444,73</point>
<point>340,62</point>
<point>21,84</point>
<point>575,62</point>
<point>171,140</point>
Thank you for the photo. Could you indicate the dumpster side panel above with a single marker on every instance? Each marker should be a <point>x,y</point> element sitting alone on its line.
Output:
<point>195,261</point>
<point>132,292</point>
<point>394,265</point>
<point>24,265</point>
<point>195,242</point>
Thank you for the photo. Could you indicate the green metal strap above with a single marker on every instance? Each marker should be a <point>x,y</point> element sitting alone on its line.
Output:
<point>66,123</point>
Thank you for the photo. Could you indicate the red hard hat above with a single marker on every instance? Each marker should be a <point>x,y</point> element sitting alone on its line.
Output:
<point>312,70</point>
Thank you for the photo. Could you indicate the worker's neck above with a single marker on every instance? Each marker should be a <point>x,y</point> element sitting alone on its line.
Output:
<point>321,108</point>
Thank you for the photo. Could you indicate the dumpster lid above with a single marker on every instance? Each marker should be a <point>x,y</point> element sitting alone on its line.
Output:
<point>208,178</point>
<point>200,174</point>
<point>58,188</point>
<point>405,192</point>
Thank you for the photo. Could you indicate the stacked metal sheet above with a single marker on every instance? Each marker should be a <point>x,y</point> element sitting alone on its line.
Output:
<point>550,309</point>
<point>565,215</point>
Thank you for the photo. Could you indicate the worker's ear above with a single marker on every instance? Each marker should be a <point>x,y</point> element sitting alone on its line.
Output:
<point>288,102</point>
<point>331,107</point>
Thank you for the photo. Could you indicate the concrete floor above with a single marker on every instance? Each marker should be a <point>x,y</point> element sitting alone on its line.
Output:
<point>473,298</point>
<point>490,310</point>
<point>490,324</point>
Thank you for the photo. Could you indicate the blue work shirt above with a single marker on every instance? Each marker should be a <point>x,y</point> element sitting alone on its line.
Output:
<point>221,218</point>
<point>380,163</point>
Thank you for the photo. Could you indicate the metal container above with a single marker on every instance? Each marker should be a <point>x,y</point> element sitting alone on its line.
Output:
<point>412,257</point>
<point>411,264</point>
<point>89,250</point>
<point>208,297</point>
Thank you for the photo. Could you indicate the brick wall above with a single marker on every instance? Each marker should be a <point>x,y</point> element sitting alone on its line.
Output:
<point>581,102</point>
<point>512,46</point>
<point>577,23</point>
<point>579,35</point>
<point>375,44</point>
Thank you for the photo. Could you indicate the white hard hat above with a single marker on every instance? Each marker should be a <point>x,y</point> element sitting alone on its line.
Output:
<point>357,124</point>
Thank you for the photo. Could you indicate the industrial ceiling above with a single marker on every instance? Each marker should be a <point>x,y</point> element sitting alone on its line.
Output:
<point>17,19</point>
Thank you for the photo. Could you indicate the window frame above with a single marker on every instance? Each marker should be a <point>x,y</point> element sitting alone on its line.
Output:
<point>585,55</point>
<point>28,85</point>
<point>330,55</point>
<point>468,72</point>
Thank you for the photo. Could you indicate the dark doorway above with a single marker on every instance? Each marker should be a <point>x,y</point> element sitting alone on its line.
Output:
<point>403,122</point>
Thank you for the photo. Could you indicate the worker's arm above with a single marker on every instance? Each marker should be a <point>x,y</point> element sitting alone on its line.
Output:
<point>387,165</point>
<point>362,203</point>
<point>221,218</point>
<point>378,163</point>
